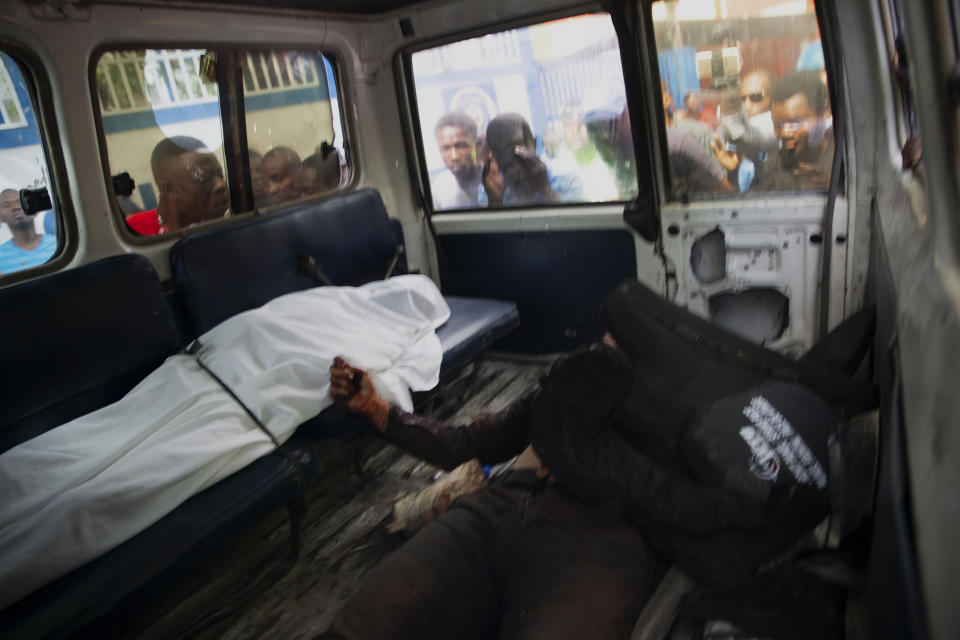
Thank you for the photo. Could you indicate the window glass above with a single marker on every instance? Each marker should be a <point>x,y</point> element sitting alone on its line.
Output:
<point>909,130</point>
<point>745,97</point>
<point>293,125</point>
<point>529,116</point>
<point>26,240</point>
<point>161,120</point>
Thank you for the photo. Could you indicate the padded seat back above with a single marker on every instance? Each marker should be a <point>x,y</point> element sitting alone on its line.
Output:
<point>78,340</point>
<point>223,272</point>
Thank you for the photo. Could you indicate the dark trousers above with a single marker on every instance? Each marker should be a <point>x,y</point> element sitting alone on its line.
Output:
<point>520,559</point>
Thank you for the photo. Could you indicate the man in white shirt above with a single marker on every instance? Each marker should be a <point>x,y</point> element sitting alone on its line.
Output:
<point>458,187</point>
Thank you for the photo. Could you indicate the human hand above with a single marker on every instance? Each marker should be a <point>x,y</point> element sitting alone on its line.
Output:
<point>533,171</point>
<point>353,388</point>
<point>818,178</point>
<point>493,182</point>
<point>729,159</point>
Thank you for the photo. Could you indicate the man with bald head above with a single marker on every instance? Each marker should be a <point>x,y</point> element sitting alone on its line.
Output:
<point>320,173</point>
<point>281,173</point>
<point>191,187</point>
<point>745,136</point>
<point>26,248</point>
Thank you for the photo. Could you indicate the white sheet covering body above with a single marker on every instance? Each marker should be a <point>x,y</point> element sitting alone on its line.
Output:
<point>76,491</point>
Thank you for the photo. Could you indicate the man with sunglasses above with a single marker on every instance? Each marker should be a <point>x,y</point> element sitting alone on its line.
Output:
<point>745,118</point>
<point>755,91</point>
<point>745,136</point>
<point>801,119</point>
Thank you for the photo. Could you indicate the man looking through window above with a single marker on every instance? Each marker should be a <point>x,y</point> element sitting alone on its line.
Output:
<point>801,120</point>
<point>191,187</point>
<point>26,248</point>
<point>320,173</point>
<point>458,186</point>
<point>281,172</point>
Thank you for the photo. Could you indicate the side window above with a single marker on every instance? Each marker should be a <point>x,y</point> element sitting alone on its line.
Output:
<point>161,119</point>
<point>745,97</point>
<point>161,122</point>
<point>531,116</point>
<point>293,125</point>
<point>28,226</point>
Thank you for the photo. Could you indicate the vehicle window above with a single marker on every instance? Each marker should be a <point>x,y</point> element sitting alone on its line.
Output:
<point>293,126</point>
<point>744,89</point>
<point>28,235</point>
<point>161,119</point>
<point>529,116</point>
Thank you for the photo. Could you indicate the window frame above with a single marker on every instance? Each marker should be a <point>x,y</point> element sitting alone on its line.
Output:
<point>41,95</point>
<point>410,111</point>
<point>233,163</point>
<point>891,13</point>
<point>831,64</point>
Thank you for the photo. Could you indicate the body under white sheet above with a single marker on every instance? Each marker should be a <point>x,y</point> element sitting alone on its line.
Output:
<point>77,491</point>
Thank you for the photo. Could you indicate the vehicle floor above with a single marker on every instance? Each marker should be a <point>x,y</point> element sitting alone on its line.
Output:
<point>255,590</point>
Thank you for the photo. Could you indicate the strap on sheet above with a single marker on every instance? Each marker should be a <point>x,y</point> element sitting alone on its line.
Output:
<point>298,506</point>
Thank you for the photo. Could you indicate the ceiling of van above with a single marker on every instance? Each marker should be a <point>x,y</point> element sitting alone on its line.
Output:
<point>333,6</point>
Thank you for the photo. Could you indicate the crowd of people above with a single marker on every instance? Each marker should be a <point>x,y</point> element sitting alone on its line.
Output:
<point>192,188</point>
<point>767,134</point>
<point>771,134</point>
<point>503,169</point>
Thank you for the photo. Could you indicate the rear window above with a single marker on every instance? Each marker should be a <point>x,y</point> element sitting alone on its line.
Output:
<point>29,225</point>
<point>526,117</point>
<point>165,133</point>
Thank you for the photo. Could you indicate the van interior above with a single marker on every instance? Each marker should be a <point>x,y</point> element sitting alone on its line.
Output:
<point>782,174</point>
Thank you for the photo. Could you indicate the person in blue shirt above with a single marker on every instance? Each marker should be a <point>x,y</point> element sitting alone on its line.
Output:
<point>26,248</point>
<point>514,174</point>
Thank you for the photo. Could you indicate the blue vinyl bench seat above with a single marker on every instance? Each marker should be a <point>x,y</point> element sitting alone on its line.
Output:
<point>85,337</point>
<point>222,272</point>
<point>474,324</point>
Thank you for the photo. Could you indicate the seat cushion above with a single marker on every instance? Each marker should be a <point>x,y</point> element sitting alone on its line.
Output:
<point>474,324</point>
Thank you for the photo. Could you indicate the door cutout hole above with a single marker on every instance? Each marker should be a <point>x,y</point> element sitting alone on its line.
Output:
<point>761,315</point>
<point>708,257</point>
